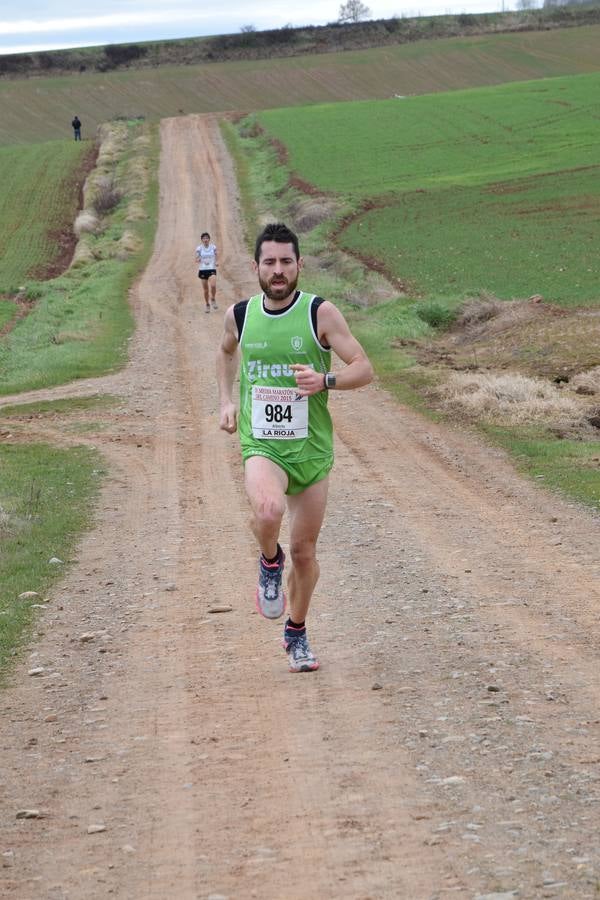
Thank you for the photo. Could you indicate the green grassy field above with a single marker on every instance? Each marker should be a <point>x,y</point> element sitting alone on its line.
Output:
<point>79,323</point>
<point>41,202</point>
<point>540,237</point>
<point>567,466</point>
<point>39,109</point>
<point>8,311</point>
<point>490,189</point>
<point>78,330</point>
<point>46,498</point>
<point>367,150</point>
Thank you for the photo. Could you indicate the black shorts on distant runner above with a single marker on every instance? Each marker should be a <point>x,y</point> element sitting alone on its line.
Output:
<point>205,274</point>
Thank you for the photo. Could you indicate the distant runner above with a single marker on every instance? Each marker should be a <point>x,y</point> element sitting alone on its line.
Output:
<point>206,255</point>
<point>285,337</point>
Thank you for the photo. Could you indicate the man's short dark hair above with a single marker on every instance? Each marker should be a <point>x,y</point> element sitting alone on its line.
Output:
<point>204,234</point>
<point>276,231</point>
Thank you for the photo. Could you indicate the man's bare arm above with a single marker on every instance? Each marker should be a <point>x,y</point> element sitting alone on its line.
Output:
<point>335,333</point>
<point>227,365</point>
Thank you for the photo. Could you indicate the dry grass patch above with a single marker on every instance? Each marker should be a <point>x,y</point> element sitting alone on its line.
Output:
<point>508,399</point>
<point>587,383</point>
<point>486,316</point>
<point>83,254</point>
<point>519,363</point>
<point>100,193</point>
<point>106,195</point>
<point>308,212</point>
<point>136,211</point>
<point>129,243</point>
<point>521,336</point>
<point>86,223</point>
<point>65,337</point>
<point>5,522</point>
<point>106,186</point>
<point>113,136</point>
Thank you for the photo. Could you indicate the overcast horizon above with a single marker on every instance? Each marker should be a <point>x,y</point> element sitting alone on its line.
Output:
<point>34,25</point>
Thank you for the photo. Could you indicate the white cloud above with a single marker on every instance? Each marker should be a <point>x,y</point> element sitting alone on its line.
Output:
<point>46,24</point>
<point>113,20</point>
<point>40,48</point>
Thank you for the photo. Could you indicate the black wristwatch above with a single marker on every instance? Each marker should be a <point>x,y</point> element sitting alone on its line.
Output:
<point>330,381</point>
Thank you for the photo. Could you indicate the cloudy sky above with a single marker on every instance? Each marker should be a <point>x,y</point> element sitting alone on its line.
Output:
<point>52,24</point>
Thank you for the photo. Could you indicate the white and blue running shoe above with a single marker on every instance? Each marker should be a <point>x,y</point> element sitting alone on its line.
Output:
<point>300,656</point>
<point>270,596</point>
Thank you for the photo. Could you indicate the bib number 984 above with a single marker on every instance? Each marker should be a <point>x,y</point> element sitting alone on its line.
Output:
<point>278,414</point>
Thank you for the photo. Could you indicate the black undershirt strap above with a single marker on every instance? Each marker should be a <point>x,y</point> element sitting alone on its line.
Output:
<point>239,313</point>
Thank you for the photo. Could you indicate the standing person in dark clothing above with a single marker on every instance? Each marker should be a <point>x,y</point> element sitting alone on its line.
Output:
<point>76,128</point>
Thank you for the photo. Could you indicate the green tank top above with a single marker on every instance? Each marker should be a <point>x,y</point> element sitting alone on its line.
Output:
<point>273,420</point>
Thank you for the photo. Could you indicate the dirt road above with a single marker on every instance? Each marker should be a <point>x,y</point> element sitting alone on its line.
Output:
<point>450,743</point>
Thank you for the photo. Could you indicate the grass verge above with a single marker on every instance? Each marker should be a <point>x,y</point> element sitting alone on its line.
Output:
<point>56,407</point>
<point>571,467</point>
<point>46,495</point>
<point>8,310</point>
<point>81,322</point>
<point>243,174</point>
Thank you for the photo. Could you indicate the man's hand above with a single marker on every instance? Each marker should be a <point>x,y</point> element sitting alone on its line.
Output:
<point>228,420</point>
<point>309,382</point>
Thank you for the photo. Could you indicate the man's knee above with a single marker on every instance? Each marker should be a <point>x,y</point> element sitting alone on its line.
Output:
<point>269,511</point>
<point>303,554</point>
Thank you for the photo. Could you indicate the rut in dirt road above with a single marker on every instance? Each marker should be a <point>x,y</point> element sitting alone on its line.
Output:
<point>447,747</point>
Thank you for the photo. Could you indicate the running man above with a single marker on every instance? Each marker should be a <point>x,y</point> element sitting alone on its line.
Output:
<point>206,255</point>
<point>284,338</point>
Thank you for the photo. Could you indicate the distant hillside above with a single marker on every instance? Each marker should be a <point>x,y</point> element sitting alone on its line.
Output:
<point>41,108</point>
<point>287,41</point>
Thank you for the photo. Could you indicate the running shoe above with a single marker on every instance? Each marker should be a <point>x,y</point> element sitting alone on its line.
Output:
<point>214,304</point>
<point>270,597</point>
<point>300,656</point>
<point>207,309</point>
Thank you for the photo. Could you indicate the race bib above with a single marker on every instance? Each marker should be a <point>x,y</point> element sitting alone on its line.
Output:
<point>279,413</point>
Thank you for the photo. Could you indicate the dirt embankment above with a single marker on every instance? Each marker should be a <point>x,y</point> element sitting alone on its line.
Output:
<point>447,747</point>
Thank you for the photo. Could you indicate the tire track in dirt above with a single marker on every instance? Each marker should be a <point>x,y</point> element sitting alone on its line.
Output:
<point>514,556</point>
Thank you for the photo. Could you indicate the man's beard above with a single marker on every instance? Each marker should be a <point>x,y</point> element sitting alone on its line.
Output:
<point>279,292</point>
